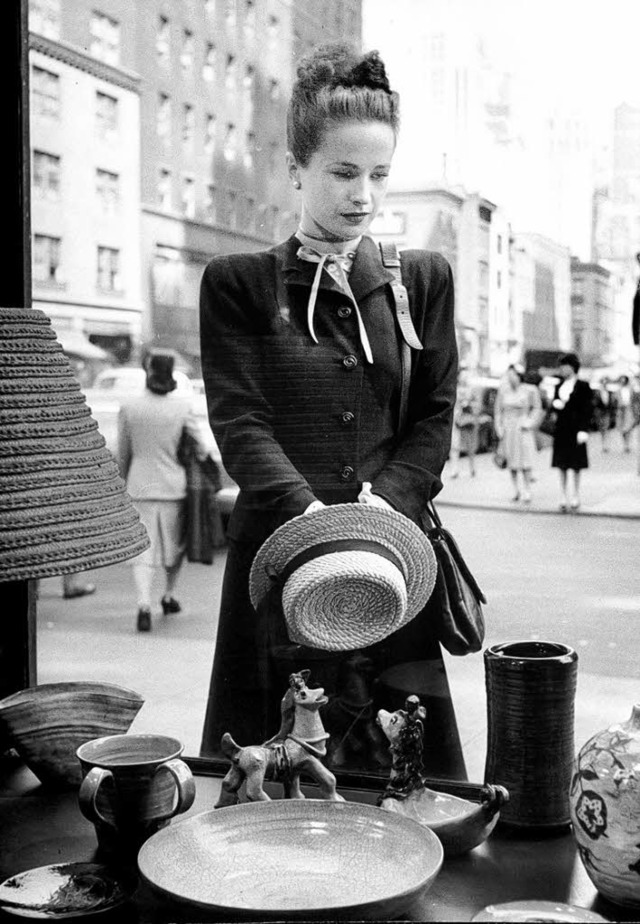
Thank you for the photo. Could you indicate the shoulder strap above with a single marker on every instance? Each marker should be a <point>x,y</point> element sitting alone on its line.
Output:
<point>391,260</point>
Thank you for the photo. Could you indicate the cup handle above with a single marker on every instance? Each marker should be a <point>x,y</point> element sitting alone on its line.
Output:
<point>185,783</point>
<point>89,793</point>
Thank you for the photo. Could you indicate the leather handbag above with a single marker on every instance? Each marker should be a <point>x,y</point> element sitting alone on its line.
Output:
<point>549,422</point>
<point>458,613</point>
<point>461,625</point>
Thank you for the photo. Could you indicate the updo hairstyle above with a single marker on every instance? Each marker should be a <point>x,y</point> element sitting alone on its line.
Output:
<point>335,82</point>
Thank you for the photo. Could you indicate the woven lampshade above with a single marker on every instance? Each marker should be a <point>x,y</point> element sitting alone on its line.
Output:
<point>63,505</point>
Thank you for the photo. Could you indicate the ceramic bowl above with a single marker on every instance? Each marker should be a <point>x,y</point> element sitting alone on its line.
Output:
<point>46,724</point>
<point>460,824</point>
<point>308,858</point>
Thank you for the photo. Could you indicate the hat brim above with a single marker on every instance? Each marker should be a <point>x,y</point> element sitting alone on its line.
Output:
<point>389,528</point>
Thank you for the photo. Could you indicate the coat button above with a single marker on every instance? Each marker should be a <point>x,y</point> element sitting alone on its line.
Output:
<point>350,361</point>
<point>347,473</point>
<point>348,417</point>
<point>344,311</point>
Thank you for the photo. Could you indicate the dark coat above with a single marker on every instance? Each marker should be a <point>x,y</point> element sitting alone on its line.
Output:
<point>574,417</point>
<point>297,421</point>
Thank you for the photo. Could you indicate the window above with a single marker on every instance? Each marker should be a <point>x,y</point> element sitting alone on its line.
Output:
<point>106,114</point>
<point>186,58</point>
<point>230,142</point>
<point>230,73</point>
<point>164,189</point>
<point>163,38</point>
<point>249,149</point>
<point>210,203</point>
<point>273,29</point>
<point>188,125</point>
<point>499,243</point>
<point>46,175</point>
<point>46,258</point>
<point>499,279</point>
<point>249,20</point>
<point>232,209</point>
<point>44,17</point>
<point>45,87</point>
<point>105,38</point>
<point>209,66</point>
<point>163,116</point>
<point>249,215</point>
<point>274,221</point>
<point>188,196</point>
<point>108,278</point>
<point>108,189</point>
<point>210,134</point>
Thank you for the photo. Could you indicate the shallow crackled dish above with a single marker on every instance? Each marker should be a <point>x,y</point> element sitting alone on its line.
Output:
<point>62,891</point>
<point>530,911</point>
<point>294,858</point>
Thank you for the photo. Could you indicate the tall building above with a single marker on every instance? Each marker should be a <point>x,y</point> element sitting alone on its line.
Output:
<point>474,237</point>
<point>592,313</point>
<point>200,89</point>
<point>85,201</point>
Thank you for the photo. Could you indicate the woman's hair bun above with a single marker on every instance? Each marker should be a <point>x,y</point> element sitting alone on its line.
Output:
<point>341,66</point>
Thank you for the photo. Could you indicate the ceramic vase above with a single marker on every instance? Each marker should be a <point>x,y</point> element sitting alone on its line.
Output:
<point>605,810</point>
<point>530,721</point>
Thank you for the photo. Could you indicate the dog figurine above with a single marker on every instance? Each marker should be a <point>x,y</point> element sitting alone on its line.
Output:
<point>297,748</point>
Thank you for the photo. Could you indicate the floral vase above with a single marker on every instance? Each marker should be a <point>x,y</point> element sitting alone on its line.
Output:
<point>605,810</point>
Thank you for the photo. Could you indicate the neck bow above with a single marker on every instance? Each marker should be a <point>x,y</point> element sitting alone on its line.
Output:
<point>337,265</point>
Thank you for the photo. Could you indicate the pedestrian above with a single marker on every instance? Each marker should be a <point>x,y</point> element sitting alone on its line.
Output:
<point>150,433</point>
<point>466,423</point>
<point>301,364</point>
<point>73,586</point>
<point>517,412</point>
<point>624,417</point>
<point>604,409</point>
<point>572,401</point>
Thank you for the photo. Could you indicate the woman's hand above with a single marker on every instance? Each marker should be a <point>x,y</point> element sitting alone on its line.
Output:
<point>314,505</point>
<point>372,500</point>
<point>557,404</point>
<point>582,437</point>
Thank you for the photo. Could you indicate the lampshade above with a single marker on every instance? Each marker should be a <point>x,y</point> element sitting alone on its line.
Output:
<point>63,505</point>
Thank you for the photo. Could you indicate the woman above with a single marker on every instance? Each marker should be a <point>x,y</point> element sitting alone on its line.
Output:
<point>517,411</point>
<point>150,432</point>
<point>624,414</point>
<point>464,436</point>
<point>301,361</point>
<point>572,401</point>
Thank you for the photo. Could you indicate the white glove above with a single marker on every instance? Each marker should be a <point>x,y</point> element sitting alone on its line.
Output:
<point>372,500</point>
<point>582,437</point>
<point>557,404</point>
<point>314,505</point>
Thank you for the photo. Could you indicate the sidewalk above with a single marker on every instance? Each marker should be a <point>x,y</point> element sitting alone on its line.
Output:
<point>609,487</point>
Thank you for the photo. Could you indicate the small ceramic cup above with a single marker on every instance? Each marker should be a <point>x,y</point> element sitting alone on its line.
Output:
<point>133,785</point>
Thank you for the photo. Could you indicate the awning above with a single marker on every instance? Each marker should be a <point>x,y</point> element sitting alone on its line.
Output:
<point>76,344</point>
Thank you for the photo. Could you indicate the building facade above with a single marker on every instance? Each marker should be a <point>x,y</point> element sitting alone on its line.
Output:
<point>200,89</point>
<point>85,170</point>
<point>592,313</point>
<point>474,237</point>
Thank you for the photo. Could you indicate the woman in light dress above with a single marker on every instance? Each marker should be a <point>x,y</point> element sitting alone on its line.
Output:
<point>466,422</point>
<point>517,413</point>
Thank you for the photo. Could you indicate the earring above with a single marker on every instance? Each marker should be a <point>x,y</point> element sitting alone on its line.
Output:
<point>296,184</point>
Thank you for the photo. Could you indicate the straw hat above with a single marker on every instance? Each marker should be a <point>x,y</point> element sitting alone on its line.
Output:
<point>63,505</point>
<point>350,574</point>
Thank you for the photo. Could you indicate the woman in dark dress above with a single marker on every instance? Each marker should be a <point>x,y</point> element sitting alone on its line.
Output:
<point>573,402</point>
<point>301,363</point>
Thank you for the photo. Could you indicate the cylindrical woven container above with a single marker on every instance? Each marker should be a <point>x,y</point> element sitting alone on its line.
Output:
<point>531,689</point>
<point>63,505</point>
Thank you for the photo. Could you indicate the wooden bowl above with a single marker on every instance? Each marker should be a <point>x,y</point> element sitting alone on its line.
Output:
<point>46,724</point>
<point>294,858</point>
<point>460,824</point>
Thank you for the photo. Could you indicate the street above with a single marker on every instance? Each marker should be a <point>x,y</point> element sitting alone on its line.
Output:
<point>570,579</point>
